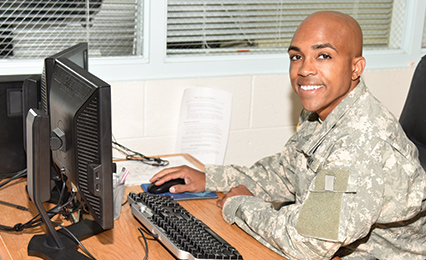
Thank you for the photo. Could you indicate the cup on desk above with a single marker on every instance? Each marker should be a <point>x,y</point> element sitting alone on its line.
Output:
<point>117,199</point>
<point>118,191</point>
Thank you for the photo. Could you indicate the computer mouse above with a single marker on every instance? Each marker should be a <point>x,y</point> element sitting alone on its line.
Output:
<point>152,188</point>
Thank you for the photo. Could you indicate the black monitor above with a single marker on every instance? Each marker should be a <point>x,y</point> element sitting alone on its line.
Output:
<point>35,87</point>
<point>77,53</point>
<point>80,115</point>
<point>35,93</point>
<point>12,153</point>
<point>78,127</point>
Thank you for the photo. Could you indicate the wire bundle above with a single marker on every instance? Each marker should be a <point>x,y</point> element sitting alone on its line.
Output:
<point>136,156</point>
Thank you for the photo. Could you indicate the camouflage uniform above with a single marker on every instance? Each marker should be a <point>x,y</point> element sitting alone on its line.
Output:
<point>355,181</point>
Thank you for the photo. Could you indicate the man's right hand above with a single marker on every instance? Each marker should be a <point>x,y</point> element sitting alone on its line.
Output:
<point>195,180</point>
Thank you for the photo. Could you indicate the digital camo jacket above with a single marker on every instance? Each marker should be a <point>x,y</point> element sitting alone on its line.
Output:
<point>358,188</point>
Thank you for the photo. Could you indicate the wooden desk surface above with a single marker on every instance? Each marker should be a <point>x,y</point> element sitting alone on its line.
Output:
<point>124,240</point>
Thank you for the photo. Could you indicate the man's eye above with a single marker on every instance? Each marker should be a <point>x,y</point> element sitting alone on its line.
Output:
<point>324,57</point>
<point>295,57</point>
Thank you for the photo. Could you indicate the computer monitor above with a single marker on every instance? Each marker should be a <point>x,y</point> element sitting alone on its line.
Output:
<point>78,54</point>
<point>35,93</point>
<point>12,153</point>
<point>35,88</point>
<point>81,146</point>
<point>80,115</point>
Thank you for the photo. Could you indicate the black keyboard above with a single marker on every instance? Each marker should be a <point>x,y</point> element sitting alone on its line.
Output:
<point>178,230</point>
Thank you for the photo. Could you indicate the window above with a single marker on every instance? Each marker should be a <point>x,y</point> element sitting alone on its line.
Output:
<point>38,28</point>
<point>267,26</point>
<point>159,39</point>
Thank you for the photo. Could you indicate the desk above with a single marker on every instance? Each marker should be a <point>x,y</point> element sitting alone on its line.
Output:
<point>124,240</point>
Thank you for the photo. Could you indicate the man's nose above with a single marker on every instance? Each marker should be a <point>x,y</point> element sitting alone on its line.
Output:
<point>308,68</point>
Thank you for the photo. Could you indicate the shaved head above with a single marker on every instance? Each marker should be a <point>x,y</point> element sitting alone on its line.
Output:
<point>342,25</point>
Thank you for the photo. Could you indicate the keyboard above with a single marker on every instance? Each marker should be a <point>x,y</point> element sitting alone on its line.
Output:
<point>178,230</point>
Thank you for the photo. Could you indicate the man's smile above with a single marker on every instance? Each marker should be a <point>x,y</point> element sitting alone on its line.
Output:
<point>311,87</point>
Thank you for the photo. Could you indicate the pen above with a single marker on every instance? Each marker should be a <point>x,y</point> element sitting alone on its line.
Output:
<point>124,174</point>
<point>120,176</point>
<point>14,205</point>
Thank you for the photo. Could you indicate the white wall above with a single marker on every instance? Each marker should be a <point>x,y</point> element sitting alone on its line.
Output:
<point>264,111</point>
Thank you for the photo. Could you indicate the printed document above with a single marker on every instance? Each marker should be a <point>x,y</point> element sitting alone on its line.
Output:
<point>204,121</point>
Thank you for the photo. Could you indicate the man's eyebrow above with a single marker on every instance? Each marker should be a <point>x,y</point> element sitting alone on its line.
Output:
<point>323,46</point>
<point>293,48</point>
<point>314,47</point>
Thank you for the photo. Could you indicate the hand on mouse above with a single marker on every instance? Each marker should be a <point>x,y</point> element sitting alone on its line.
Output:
<point>195,180</point>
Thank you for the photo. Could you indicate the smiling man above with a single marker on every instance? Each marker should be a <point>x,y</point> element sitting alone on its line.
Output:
<point>325,63</point>
<point>350,179</point>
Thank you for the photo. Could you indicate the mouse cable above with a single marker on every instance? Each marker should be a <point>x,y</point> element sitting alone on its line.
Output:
<point>142,231</point>
<point>124,203</point>
<point>136,156</point>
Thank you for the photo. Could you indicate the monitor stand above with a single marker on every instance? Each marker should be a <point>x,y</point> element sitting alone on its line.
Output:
<point>85,228</point>
<point>54,244</point>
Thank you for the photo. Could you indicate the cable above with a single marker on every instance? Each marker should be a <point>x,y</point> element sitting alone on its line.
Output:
<point>136,156</point>
<point>14,205</point>
<point>149,233</point>
<point>20,227</point>
<point>146,243</point>
<point>13,176</point>
<point>144,239</point>
<point>75,239</point>
<point>144,230</point>
<point>21,173</point>
<point>36,220</point>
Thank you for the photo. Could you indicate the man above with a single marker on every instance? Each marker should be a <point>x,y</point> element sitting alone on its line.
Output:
<point>351,178</point>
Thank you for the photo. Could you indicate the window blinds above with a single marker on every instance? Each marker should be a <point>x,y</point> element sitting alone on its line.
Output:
<point>33,29</point>
<point>266,26</point>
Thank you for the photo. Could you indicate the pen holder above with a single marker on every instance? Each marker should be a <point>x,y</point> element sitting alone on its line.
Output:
<point>118,199</point>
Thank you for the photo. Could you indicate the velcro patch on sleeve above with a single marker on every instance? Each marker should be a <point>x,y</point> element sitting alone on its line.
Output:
<point>319,216</point>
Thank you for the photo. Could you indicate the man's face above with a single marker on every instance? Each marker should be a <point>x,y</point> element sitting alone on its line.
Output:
<point>321,66</point>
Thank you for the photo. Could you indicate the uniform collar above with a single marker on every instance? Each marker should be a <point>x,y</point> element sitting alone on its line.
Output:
<point>312,131</point>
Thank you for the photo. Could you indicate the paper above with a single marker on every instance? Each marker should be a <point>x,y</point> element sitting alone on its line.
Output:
<point>140,172</point>
<point>204,124</point>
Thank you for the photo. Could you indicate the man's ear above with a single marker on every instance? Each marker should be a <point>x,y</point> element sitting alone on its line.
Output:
<point>358,66</point>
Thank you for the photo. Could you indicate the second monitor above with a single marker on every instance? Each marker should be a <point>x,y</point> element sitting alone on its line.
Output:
<point>80,142</point>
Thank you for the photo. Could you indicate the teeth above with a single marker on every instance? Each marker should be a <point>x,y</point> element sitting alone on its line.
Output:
<point>311,87</point>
